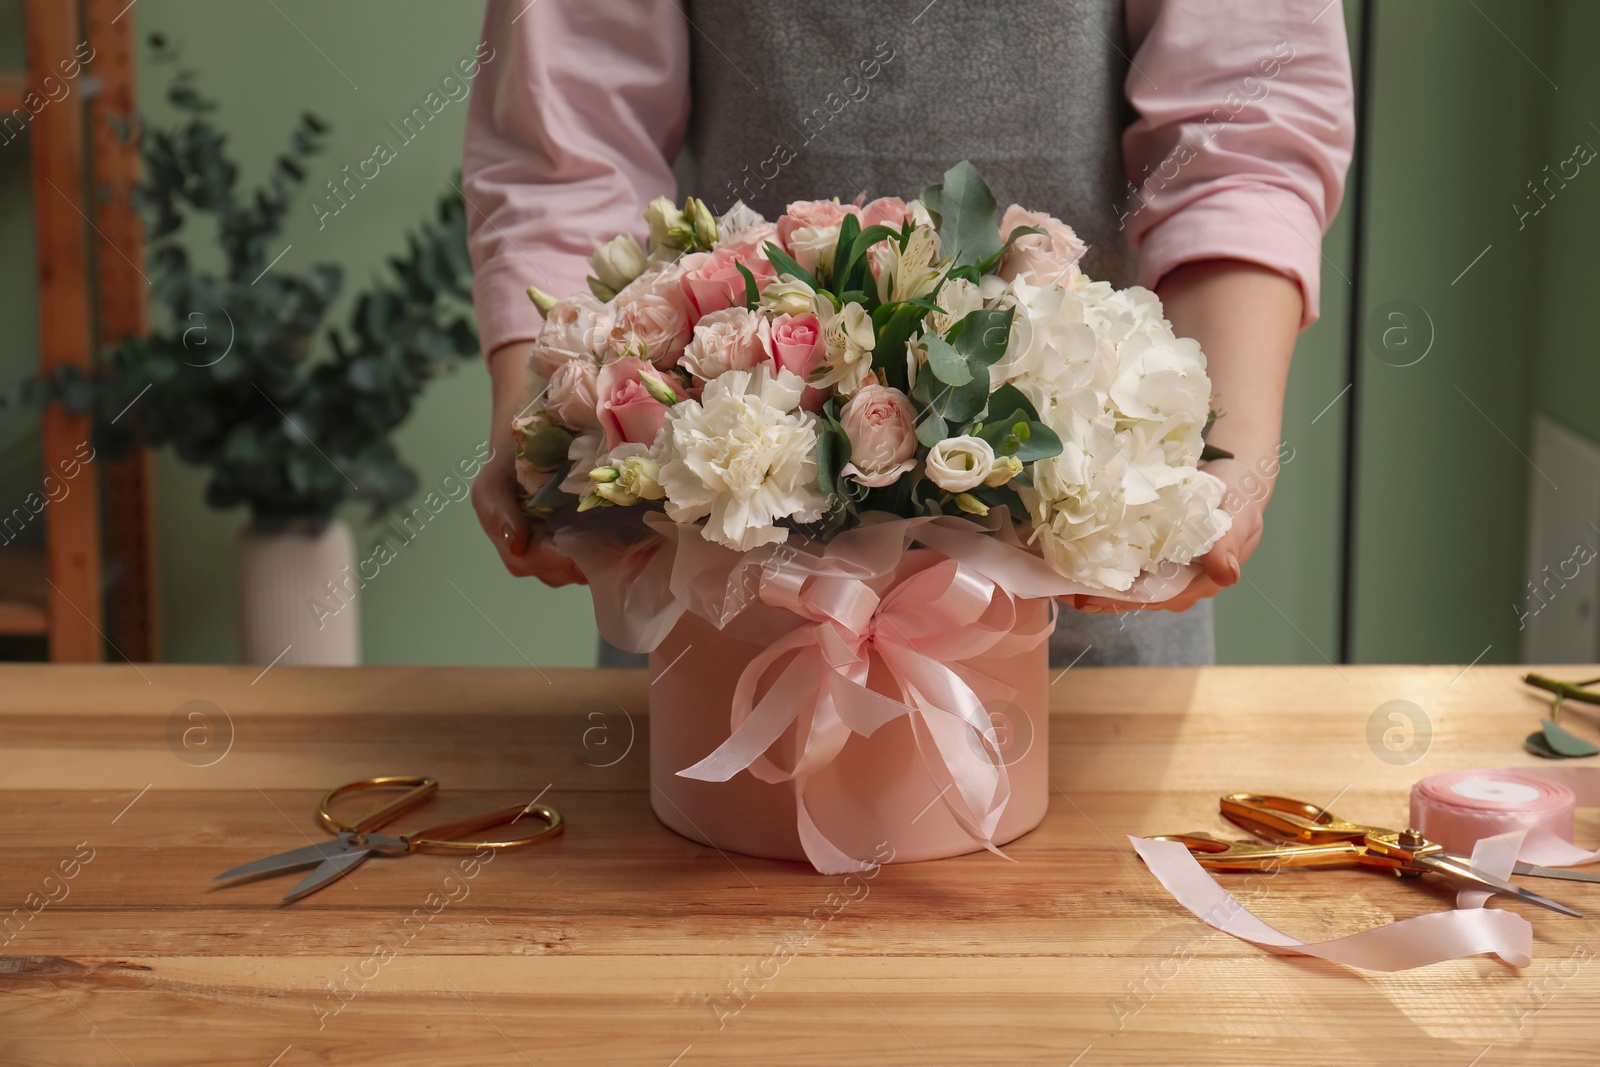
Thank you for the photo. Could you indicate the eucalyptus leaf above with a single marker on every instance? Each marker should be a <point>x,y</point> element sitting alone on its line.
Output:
<point>947,365</point>
<point>550,496</point>
<point>1566,744</point>
<point>964,210</point>
<point>982,336</point>
<point>931,429</point>
<point>1537,744</point>
<point>1009,398</point>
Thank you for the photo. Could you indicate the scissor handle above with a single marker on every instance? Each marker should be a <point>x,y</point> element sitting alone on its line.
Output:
<point>1293,820</point>
<point>421,788</point>
<point>1217,854</point>
<point>446,835</point>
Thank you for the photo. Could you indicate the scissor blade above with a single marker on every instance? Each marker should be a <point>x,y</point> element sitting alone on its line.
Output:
<point>1554,872</point>
<point>328,870</point>
<point>1464,872</point>
<point>284,861</point>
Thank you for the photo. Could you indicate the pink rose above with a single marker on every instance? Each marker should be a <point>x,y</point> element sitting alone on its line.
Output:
<point>797,345</point>
<point>711,280</point>
<point>652,318</point>
<point>731,339</point>
<point>1046,258</point>
<point>887,211</point>
<point>625,409</point>
<point>809,230</point>
<point>577,326</point>
<point>751,243</point>
<point>881,425</point>
<point>570,396</point>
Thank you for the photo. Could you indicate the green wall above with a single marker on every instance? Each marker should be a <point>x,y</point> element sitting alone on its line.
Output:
<point>1458,125</point>
<point>1569,353</point>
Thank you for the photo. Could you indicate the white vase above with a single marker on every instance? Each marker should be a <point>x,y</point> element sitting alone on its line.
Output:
<point>297,597</point>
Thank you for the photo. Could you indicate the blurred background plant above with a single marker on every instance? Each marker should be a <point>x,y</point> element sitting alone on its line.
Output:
<point>291,416</point>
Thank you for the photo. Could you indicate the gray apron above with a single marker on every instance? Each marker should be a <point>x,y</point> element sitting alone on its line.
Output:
<point>806,99</point>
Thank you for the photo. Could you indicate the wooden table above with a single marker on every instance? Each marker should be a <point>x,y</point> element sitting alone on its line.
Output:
<point>623,943</point>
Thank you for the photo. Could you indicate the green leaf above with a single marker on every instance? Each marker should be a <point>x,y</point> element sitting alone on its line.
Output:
<point>1536,744</point>
<point>783,264</point>
<point>931,429</point>
<point>955,404</point>
<point>833,452</point>
<point>849,230</point>
<point>752,295</point>
<point>988,263</point>
<point>1211,451</point>
<point>1565,745</point>
<point>889,350</point>
<point>1009,398</point>
<point>1041,443</point>
<point>550,496</point>
<point>945,362</point>
<point>1022,437</point>
<point>964,209</point>
<point>982,336</point>
<point>547,447</point>
<point>868,237</point>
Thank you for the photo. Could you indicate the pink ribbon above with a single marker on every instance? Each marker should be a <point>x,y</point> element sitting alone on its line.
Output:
<point>829,609</point>
<point>1397,946</point>
<point>924,630</point>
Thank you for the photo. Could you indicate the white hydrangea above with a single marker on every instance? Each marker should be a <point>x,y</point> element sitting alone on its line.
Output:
<point>1129,401</point>
<point>742,457</point>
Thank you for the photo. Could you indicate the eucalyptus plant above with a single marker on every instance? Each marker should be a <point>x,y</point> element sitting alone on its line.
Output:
<point>291,416</point>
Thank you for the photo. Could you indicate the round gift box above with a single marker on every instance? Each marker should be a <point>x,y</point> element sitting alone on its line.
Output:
<point>876,792</point>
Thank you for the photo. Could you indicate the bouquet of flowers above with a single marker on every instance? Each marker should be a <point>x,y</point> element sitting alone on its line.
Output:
<point>854,362</point>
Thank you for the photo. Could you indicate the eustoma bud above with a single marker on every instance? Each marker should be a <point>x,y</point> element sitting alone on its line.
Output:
<point>657,388</point>
<point>541,299</point>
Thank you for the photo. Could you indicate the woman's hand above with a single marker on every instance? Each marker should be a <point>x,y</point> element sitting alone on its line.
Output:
<point>524,543</point>
<point>1244,499</point>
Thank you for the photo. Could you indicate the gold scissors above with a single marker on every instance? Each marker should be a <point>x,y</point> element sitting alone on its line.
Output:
<point>355,841</point>
<point>1309,836</point>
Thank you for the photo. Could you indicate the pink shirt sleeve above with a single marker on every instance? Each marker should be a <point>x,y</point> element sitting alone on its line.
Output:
<point>571,130</point>
<point>1245,130</point>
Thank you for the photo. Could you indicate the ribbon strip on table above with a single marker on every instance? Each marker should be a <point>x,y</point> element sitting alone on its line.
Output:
<point>829,609</point>
<point>1397,946</point>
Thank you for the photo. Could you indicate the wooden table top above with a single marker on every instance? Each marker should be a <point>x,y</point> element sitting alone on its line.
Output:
<point>622,943</point>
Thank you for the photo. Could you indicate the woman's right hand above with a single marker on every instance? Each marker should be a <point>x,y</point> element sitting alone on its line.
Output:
<point>524,543</point>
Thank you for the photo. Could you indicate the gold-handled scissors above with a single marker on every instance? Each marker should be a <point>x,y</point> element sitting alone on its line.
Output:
<point>1309,836</point>
<point>355,841</point>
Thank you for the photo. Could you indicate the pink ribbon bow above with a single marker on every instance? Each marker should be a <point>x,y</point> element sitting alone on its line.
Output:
<point>924,629</point>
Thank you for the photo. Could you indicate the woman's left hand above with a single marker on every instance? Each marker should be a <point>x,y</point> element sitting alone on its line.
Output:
<point>1220,566</point>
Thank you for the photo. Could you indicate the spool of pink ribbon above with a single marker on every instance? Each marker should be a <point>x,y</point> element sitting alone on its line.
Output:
<point>1460,808</point>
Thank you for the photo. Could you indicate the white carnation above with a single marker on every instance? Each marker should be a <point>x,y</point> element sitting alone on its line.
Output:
<point>742,457</point>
